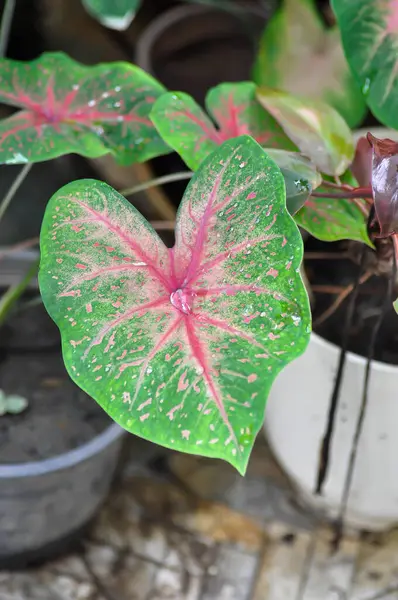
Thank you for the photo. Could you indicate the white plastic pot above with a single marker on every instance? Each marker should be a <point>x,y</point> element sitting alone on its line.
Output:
<point>295,420</point>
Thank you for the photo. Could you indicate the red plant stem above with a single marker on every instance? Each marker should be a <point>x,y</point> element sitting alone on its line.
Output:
<point>336,186</point>
<point>361,207</point>
<point>347,195</point>
<point>395,244</point>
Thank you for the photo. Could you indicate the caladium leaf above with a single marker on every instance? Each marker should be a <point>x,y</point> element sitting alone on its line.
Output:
<point>180,346</point>
<point>385,183</point>
<point>300,175</point>
<point>300,55</point>
<point>316,128</point>
<point>331,219</point>
<point>189,131</point>
<point>115,14</point>
<point>67,107</point>
<point>369,32</point>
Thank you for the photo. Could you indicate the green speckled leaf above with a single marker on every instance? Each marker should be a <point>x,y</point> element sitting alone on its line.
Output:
<point>316,128</point>
<point>300,175</point>
<point>300,55</point>
<point>67,107</point>
<point>115,14</point>
<point>180,346</point>
<point>369,31</point>
<point>331,219</point>
<point>189,131</point>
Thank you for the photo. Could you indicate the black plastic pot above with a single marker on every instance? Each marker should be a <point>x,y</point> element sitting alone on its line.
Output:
<point>192,48</point>
<point>45,505</point>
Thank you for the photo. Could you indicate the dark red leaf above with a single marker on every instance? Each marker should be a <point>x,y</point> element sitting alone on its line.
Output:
<point>385,183</point>
<point>362,164</point>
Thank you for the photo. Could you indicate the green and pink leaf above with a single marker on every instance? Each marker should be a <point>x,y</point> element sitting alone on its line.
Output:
<point>300,55</point>
<point>316,128</point>
<point>369,32</point>
<point>180,346</point>
<point>185,126</point>
<point>331,219</point>
<point>70,108</point>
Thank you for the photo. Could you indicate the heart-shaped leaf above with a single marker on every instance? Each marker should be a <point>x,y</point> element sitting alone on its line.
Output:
<point>115,14</point>
<point>316,128</point>
<point>299,55</point>
<point>385,183</point>
<point>331,219</point>
<point>189,131</point>
<point>180,346</point>
<point>300,175</point>
<point>67,107</point>
<point>369,31</point>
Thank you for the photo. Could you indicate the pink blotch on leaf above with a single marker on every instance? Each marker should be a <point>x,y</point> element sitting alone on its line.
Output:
<point>272,272</point>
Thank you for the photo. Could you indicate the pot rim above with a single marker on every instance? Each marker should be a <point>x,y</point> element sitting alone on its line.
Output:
<point>65,460</point>
<point>146,41</point>
<point>352,356</point>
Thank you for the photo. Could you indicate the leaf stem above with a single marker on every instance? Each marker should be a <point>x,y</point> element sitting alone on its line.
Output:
<point>163,225</point>
<point>348,195</point>
<point>336,186</point>
<point>15,291</point>
<point>19,246</point>
<point>157,181</point>
<point>14,188</point>
<point>5,27</point>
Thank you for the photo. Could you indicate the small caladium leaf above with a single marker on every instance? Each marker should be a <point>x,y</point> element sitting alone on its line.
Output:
<point>369,32</point>
<point>115,14</point>
<point>189,131</point>
<point>300,175</point>
<point>330,220</point>
<point>316,128</point>
<point>67,107</point>
<point>385,183</point>
<point>300,55</point>
<point>180,346</point>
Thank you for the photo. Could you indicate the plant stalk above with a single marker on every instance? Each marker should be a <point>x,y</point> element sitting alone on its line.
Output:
<point>14,188</point>
<point>14,292</point>
<point>347,195</point>
<point>158,181</point>
<point>5,27</point>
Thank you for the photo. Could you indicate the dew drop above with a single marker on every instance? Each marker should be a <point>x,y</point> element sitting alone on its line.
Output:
<point>366,87</point>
